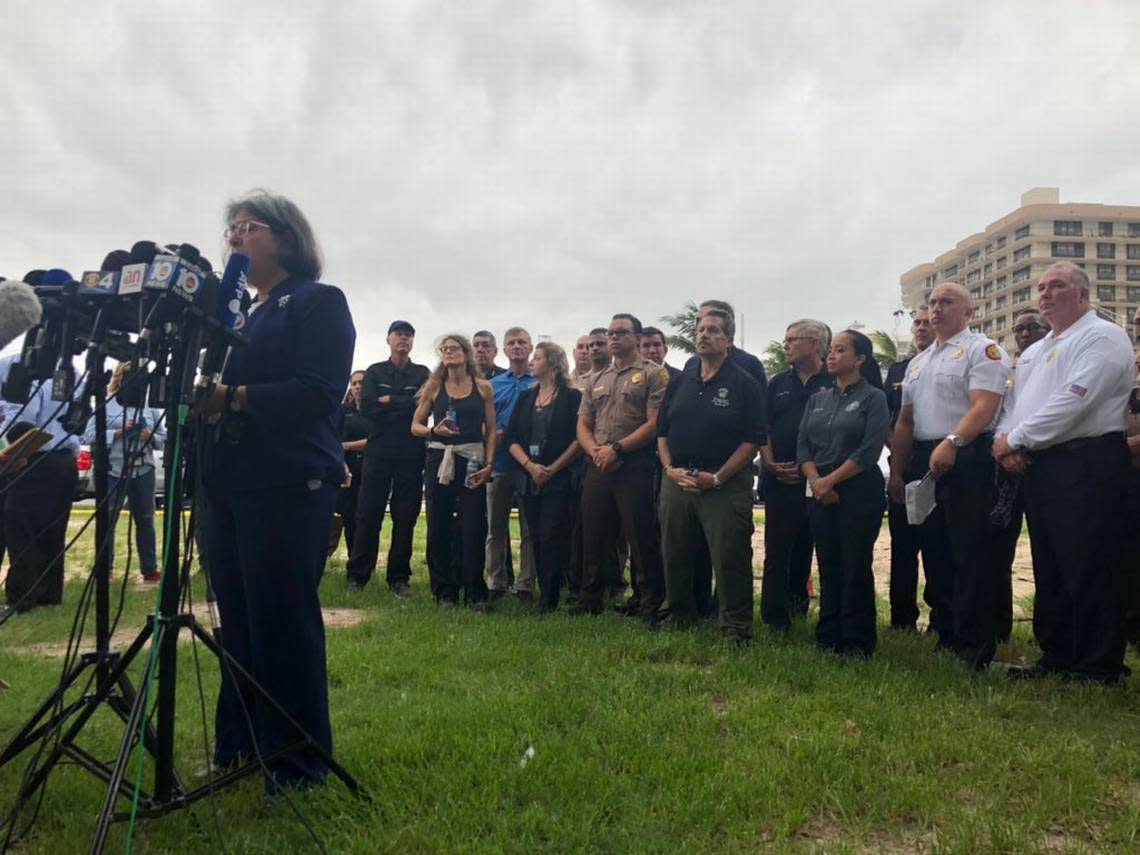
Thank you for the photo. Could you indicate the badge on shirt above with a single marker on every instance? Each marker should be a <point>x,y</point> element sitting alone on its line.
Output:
<point>598,389</point>
<point>852,407</point>
<point>721,399</point>
<point>636,378</point>
<point>958,353</point>
<point>664,375</point>
<point>1052,355</point>
<point>993,353</point>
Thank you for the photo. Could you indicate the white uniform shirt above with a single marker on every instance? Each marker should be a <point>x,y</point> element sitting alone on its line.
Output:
<point>939,380</point>
<point>1071,386</point>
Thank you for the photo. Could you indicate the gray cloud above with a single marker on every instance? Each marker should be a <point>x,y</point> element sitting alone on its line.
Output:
<point>471,165</point>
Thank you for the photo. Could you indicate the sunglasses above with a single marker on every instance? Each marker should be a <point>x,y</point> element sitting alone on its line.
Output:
<point>1020,328</point>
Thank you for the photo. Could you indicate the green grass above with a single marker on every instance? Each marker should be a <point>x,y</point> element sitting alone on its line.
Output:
<point>642,742</point>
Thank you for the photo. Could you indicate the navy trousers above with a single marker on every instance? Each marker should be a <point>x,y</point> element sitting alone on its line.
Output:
<point>267,555</point>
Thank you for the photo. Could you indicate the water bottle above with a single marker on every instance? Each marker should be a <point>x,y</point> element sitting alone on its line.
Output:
<point>472,468</point>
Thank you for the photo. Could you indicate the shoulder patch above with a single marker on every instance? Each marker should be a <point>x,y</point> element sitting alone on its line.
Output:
<point>663,374</point>
<point>993,353</point>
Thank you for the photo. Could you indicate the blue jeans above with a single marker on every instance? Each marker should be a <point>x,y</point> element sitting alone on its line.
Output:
<point>139,489</point>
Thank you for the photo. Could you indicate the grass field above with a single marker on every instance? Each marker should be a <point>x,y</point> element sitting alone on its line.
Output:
<point>514,733</point>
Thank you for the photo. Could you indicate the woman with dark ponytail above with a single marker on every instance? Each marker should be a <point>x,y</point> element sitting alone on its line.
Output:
<point>841,438</point>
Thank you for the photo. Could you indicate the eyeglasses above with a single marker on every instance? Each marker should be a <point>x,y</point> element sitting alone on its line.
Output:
<point>450,348</point>
<point>922,323</point>
<point>792,339</point>
<point>1020,328</point>
<point>243,227</point>
<point>618,333</point>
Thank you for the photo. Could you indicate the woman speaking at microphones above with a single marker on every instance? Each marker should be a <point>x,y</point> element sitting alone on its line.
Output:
<point>273,465</point>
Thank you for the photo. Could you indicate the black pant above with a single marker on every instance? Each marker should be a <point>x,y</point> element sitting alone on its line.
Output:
<point>1075,502</point>
<point>395,484</point>
<point>905,545</point>
<point>969,586</point>
<point>1132,562</point>
<point>456,534</point>
<point>549,519</point>
<point>267,555</point>
<point>907,542</point>
<point>37,507</point>
<point>787,553</point>
<point>845,535</point>
<point>346,505</point>
<point>1007,537</point>
<point>614,502</point>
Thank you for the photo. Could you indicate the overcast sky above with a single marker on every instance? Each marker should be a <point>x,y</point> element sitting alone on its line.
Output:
<point>478,164</point>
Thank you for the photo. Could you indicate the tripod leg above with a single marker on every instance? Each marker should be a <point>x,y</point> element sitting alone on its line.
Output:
<point>308,741</point>
<point>32,730</point>
<point>138,710</point>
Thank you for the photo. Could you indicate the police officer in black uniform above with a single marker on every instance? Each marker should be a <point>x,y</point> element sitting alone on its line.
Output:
<point>905,540</point>
<point>787,525</point>
<point>393,475</point>
<point>273,470</point>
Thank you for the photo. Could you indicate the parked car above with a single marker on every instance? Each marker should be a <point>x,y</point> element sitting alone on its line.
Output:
<point>85,486</point>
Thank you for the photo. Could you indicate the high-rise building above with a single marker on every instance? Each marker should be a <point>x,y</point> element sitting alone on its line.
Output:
<point>1001,265</point>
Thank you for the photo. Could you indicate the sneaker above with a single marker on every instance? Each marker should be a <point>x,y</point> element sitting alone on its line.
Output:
<point>448,604</point>
<point>402,590</point>
<point>152,578</point>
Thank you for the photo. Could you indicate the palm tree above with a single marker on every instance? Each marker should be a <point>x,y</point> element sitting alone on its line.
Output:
<point>886,348</point>
<point>685,324</point>
<point>774,359</point>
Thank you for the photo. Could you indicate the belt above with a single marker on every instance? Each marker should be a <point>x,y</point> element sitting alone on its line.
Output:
<point>704,464</point>
<point>927,444</point>
<point>1082,442</point>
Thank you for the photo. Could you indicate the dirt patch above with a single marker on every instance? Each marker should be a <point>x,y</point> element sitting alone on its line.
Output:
<point>334,619</point>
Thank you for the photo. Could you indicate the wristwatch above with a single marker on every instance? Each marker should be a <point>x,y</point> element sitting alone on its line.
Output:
<point>616,446</point>
<point>955,440</point>
<point>716,482</point>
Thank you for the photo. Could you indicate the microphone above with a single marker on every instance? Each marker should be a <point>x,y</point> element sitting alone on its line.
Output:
<point>20,310</point>
<point>229,315</point>
<point>105,281</point>
<point>233,289</point>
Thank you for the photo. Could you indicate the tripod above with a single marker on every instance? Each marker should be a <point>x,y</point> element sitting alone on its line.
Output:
<point>162,630</point>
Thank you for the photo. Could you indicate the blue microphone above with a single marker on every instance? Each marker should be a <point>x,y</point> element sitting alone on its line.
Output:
<point>230,313</point>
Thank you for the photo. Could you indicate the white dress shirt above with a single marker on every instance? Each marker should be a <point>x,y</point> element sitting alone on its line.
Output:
<point>939,380</point>
<point>1070,386</point>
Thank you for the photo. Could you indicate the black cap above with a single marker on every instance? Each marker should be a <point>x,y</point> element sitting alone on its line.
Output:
<point>401,325</point>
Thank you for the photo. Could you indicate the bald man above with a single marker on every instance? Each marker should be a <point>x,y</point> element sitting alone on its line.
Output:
<point>951,398</point>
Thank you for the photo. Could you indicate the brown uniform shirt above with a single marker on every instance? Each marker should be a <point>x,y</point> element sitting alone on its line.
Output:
<point>618,400</point>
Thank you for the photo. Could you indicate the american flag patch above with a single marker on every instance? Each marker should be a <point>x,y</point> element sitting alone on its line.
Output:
<point>1079,391</point>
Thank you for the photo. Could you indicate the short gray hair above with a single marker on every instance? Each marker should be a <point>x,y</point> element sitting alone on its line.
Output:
<point>818,330</point>
<point>301,256</point>
<point>1077,274</point>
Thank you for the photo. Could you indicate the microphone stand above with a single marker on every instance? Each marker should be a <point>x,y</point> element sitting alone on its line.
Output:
<point>112,686</point>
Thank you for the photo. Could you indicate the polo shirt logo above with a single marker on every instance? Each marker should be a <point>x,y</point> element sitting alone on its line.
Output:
<point>957,354</point>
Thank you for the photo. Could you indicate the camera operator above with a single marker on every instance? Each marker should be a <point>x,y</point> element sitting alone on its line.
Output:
<point>37,502</point>
<point>274,465</point>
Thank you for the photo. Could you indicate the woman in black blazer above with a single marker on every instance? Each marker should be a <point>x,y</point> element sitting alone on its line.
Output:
<point>541,437</point>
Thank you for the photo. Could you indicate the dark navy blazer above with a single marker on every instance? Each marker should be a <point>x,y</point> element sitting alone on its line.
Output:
<point>295,368</point>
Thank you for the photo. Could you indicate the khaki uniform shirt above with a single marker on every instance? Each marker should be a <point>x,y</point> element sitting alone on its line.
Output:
<point>618,400</point>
